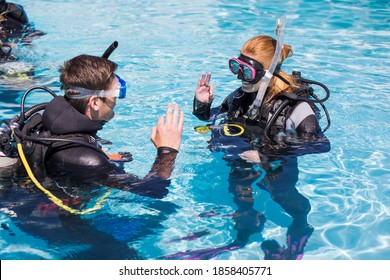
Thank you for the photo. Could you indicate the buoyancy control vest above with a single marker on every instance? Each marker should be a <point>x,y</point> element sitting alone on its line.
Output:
<point>40,143</point>
<point>273,115</point>
<point>237,105</point>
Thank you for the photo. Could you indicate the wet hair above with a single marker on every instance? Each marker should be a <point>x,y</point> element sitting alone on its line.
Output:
<point>262,49</point>
<point>86,71</point>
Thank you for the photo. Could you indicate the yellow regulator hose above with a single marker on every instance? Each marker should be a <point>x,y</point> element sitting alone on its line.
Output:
<point>51,196</point>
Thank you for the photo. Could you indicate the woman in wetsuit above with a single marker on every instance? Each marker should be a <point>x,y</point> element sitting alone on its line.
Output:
<point>91,92</point>
<point>281,129</point>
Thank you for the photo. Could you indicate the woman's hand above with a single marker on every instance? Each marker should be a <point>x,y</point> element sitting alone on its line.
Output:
<point>168,133</point>
<point>204,92</point>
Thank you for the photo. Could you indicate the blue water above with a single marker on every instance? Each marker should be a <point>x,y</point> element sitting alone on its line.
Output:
<point>163,48</point>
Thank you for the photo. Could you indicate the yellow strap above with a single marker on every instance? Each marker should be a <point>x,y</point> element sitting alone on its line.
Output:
<point>227,132</point>
<point>51,196</point>
<point>207,128</point>
<point>203,129</point>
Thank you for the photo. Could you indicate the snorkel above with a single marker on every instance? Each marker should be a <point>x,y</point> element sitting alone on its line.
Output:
<point>76,92</point>
<point>279,31</point>
<point>110,49</point>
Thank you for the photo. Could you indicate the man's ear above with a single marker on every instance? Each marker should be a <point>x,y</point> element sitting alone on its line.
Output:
<point>93,102</point>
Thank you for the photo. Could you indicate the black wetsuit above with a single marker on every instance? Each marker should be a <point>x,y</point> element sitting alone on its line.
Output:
<point>61,120</point>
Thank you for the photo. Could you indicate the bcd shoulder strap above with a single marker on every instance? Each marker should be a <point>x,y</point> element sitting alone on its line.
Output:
<point>35,151</point>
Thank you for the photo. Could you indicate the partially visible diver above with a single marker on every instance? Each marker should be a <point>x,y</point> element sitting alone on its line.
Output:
<point>262,127</point>
<point>15,25</point>
<point>15,30</point>
<point>14,21</point>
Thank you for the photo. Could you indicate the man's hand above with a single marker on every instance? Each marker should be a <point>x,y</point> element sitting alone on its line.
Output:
<point>168,133</point>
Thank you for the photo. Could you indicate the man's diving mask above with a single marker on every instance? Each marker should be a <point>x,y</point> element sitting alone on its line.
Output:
<point>80,93</point>
<point>246,69</point>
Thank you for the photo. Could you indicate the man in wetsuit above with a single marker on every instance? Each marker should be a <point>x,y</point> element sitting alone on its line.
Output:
<point>91,92</point>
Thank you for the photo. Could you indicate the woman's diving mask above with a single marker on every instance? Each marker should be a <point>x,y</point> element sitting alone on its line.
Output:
<point>246,69</point>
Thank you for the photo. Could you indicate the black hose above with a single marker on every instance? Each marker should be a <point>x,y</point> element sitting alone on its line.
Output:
<point>318,84</point>
<point>22,114</point>
<point>21,136</point>
<point>325,110</point>
<point>273,118</point>
<point>34,109</point>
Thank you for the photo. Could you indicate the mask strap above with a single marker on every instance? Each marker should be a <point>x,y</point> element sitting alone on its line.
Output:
<point>280,77</point>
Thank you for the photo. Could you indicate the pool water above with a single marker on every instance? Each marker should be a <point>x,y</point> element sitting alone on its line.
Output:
<point>164,46</point>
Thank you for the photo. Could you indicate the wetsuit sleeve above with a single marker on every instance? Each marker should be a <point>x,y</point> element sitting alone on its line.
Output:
<point>201,110</point>
<point>309,138</point>
<point>80,162</point>
<point>309,127</point>
<point>155,184</point>
<point>313,139</point>
<point>95,166</point>
<point>304,121</point>
<point>163,165</point>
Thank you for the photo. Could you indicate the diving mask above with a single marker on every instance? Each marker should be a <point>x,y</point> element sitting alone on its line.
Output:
<point>246,69</point>
<point>80,93</point>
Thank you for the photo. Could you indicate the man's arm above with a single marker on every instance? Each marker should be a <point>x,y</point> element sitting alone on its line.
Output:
<point>166,136</point>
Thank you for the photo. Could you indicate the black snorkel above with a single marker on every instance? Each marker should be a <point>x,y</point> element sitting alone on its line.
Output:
<point>110,49</point>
